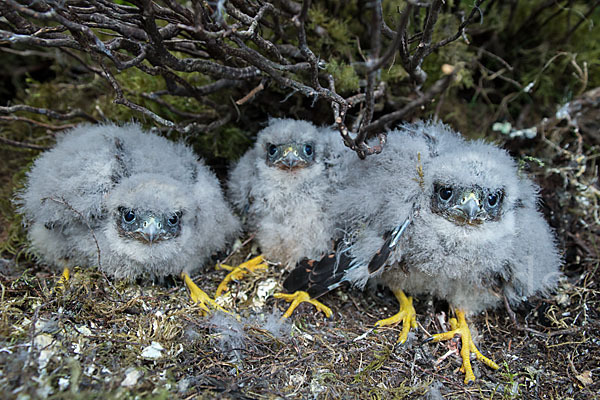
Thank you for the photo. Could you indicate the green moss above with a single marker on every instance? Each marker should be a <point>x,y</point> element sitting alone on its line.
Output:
<point>548,56</point>
<point>13,241</point>
<point>380,358</point>
<point>397,393</point>
<point>346,79</point>
<point>394,74</point>
<point>332,35</point>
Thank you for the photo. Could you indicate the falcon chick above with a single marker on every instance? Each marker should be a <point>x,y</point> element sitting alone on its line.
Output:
<point>451,218</point>
<point>131,202</point>
<point>283,186</point>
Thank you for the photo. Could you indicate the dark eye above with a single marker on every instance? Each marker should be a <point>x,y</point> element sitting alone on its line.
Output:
<point>128,216</point>
<point>174,220</point>
<point>493,200</point>
<point>272,149</point>
<point>308,149</point>
<point>445,193</point>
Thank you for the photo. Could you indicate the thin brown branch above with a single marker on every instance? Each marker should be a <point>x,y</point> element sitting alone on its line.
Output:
<point>339,114</point>
<point>371,75</point>
<point>230,46</point>
<point>22,145</point>
<point>77,113</point>
<point>250,94</point>
<point>437,88</point>
<point>359,98</point>
<point>37,123</point>
<point>123,101</point>
<point>304,49</point>
<point>414,68</point>
<point>461,28</point>
<point>156,98</point>
<point>399,35</point>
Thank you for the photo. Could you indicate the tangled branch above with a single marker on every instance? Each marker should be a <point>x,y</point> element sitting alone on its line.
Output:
<point>241,45</point>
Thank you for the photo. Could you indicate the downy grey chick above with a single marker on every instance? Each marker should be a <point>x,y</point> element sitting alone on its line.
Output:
<point>283,186</point>
<point>133,203</point>
<point>435,214</point>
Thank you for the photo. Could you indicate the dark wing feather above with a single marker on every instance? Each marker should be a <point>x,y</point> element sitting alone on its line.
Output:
<point>380,259</point>
<point>318,277</point>
<point>321,277</point>
<point>121,171</point>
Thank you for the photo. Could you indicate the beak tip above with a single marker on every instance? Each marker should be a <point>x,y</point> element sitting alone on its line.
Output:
<point>470,209</point>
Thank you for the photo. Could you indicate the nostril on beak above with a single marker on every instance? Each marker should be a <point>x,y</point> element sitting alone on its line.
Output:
<point>470,209</point>
<point>290,160</point>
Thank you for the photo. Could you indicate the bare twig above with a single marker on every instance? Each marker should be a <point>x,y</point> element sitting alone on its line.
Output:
<point>37,123</point>
<point>434,90</point>
<point>77,113</point>
<point>250,94</point>
<point>171,41</point>
<point>122,100</point>
<point>14,143</point>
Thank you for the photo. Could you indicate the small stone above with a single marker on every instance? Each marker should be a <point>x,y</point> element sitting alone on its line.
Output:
<point>585,378</point>
<point>153,352</point>
<point>84,330</point>
<point>132,376</point>
<point>63,384</point>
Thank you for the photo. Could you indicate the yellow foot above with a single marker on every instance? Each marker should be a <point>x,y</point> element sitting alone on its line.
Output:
<point>407,315</point>
<point>199,296</point>
<point>301,297</point>
<point>238,272</point>
<point>62,282</point>
<point>461,328</point>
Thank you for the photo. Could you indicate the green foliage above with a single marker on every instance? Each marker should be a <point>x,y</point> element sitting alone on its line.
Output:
<point>230,142</point>
<point>12,234</point>
<point>455,54</point>
<point>394,74</point>
<point>550,59</point>
<point>332,35</point>
<point>520,63</point>
<point>512,388</point>
<point>380,358</point>
<point>346,79</point>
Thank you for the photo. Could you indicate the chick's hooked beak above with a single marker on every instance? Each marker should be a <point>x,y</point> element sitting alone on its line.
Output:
<point>469,206</point>
<point>151,229</point>
<point>291,159</point>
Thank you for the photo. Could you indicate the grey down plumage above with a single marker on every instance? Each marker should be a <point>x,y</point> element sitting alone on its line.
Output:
<point>399,231</point>
<point>153,208</point>
<point>287,205</point>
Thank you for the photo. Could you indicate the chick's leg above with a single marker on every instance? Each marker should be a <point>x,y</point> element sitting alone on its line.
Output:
<point>65,276</point>
<point>62,281</point>
<point>199,296</point>
<point>406,315</point>
<point>238,272</point>
<point>460,327</point>
<point>299,297</point>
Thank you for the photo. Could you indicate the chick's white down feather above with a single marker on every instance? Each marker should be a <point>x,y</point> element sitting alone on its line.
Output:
<point>75,193</point>
<point>288,209</point>
<point>470,265</point>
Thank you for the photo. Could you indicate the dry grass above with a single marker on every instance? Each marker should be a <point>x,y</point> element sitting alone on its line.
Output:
<point>91,338</point>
